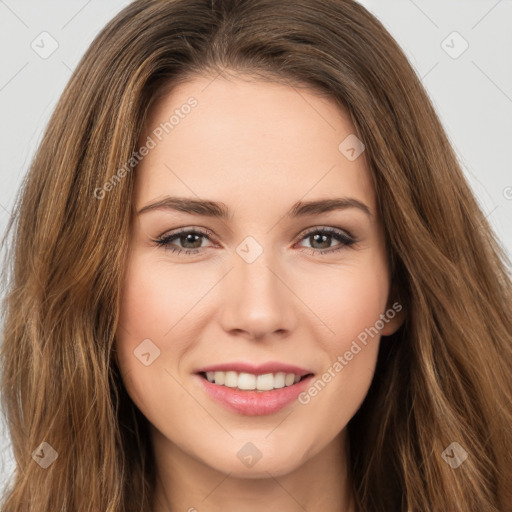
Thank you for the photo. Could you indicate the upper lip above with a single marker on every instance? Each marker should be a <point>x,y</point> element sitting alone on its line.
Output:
<point>261,369</point>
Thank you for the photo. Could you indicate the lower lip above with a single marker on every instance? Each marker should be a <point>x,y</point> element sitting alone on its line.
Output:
<point>254,403</point>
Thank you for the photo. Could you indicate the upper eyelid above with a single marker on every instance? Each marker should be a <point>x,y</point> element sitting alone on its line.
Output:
<point>326,228</point>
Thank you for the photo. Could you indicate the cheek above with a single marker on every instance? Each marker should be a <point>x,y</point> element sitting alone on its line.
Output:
<point>155,301</point>
<point>144,299</point>
<point>145,314</point>
<point>347,299</point>
<point>349,336</point>
<point>152,303</point>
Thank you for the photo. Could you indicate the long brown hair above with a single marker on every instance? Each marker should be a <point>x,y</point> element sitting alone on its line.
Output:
<point>445,376</point>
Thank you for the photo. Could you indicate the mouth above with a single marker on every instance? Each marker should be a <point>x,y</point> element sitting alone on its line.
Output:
<point>254,391</point>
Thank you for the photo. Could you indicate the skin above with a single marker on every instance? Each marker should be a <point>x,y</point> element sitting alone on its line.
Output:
<point>259,147</point>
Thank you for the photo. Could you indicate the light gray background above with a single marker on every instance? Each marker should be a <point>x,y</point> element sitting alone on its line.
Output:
<point>472,92</point>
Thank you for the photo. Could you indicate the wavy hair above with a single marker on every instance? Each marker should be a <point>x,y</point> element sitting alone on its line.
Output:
<point>445,376</point>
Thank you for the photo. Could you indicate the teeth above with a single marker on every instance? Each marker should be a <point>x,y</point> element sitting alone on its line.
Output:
<point>249,381</point>
<point>231,379</point>
<point>265,382</point>
<point>246,381</point>
<point>279,380</point>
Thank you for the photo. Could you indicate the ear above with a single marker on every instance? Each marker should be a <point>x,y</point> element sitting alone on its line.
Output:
<point>396,317</point>
<point>395,314</point>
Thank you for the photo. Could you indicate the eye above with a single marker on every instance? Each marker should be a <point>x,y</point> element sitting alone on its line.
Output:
<point>324,237</point>
<point>191,240</point>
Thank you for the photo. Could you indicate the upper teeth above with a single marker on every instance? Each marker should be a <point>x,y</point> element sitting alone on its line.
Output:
<point>248,381</point>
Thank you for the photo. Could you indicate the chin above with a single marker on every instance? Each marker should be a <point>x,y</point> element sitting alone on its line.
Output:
<point>267,458</point>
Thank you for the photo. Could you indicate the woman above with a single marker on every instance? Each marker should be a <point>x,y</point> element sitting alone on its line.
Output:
<point>372,372</point>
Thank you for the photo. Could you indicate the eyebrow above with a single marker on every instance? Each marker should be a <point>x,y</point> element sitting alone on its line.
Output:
<point>220,210</point>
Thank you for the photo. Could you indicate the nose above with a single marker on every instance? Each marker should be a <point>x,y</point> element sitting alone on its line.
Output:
<point>256,299</point>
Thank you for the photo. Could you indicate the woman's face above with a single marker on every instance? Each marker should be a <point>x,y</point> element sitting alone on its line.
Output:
<point>273,288</point>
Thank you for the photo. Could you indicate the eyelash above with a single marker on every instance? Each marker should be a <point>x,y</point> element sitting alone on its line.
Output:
<point>345,240</point>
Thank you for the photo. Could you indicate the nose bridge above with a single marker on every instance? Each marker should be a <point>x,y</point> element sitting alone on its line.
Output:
<point>256,300</point>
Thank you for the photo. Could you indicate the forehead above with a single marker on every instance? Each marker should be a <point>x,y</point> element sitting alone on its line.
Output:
<point>249,141</point>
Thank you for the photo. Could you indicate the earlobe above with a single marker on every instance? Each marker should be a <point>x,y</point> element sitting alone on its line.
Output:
<point>395,317</point>
<point>394,324</point>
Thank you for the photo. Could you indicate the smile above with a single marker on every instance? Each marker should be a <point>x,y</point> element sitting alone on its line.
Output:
<point>254,390</point>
